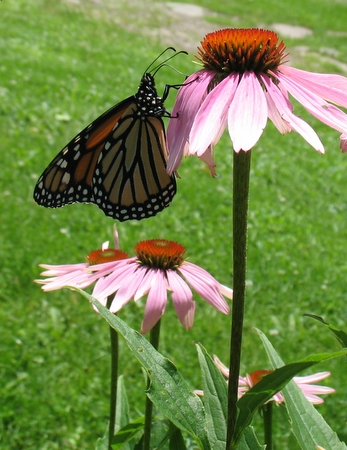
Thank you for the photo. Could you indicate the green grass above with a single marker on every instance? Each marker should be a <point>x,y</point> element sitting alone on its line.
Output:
<point>64,63</point>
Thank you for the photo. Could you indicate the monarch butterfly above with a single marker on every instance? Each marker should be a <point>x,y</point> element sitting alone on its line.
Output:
<point>118,162</point>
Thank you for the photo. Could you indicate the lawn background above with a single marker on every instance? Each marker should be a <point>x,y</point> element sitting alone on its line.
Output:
<point>63,64</point>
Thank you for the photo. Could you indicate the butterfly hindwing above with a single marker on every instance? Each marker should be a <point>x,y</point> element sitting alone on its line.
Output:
<point>134,184</point>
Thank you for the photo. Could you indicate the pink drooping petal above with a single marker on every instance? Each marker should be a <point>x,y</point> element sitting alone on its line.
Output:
<point>188,101</point>
<point>205,285</point>
<point>317,106</point>
<point>182,299</point>
<point>224,370</point>
<point>127,290</point>
<point>247,113</point>
<point>332,88</point>
<point>284,109</point>
<point>55,270</point>
<point>109,284</point>
<point>79,278</point>
<point>319,376</point>
<point>343,142</point>
<point>207,157</point>
<point>156,300</point>
<point>275,116</point>
<point>210,120</point>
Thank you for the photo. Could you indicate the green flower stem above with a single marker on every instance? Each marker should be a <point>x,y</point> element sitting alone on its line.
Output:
<point>154,340</point>
<point>241,171</point>
<point>267,420</point>
<point>114,378</point>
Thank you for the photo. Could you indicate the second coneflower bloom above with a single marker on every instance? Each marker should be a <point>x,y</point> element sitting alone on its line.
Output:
<point>310,390</point>
<point>158,267</point>
<point>245,81</point>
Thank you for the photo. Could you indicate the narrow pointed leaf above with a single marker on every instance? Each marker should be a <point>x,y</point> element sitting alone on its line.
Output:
<point>215,399</point>
<point>249,441</point>
<point>340,335</point>
<point>127,433</point>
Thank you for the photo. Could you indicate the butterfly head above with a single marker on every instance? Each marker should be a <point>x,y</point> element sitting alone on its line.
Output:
<point>147,99</point>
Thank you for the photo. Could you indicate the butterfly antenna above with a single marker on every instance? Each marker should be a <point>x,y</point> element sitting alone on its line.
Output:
<point>156,59</point>
<point>163,64</point>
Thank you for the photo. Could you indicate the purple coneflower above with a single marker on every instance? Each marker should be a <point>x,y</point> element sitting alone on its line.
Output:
<point>244,82</point>
<point>159,266</point>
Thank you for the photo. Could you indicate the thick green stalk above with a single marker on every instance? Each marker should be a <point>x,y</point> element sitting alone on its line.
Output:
<point>241,171</point>
<point>114,379</point>
<point>154,340</point>
<point>267,410</point>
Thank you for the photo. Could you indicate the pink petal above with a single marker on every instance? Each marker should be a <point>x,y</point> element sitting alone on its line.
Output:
<point>225,371</point>
<point>330,87</point>
<point>63,268</point>
<point>205,285</point>
<point>156,300</point>
<point>284,109</point>
<point>248,113</point>
<point>211,118</point>
<point>182,299</point>
<point>188,101</point>
<point>343,142</point>
<point>109,284</point>
<point>127,290</point>
<point>319,108</point>
<point>207,157</point>
<point>275,116</point>
<point>319,376</point>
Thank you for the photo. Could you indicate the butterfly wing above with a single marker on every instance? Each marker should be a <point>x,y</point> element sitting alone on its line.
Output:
<point>118,162</point>
<point>130,179</point>
<point>68,178</point>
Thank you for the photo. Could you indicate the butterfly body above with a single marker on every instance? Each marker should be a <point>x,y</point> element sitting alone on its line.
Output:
<point>118,162</point>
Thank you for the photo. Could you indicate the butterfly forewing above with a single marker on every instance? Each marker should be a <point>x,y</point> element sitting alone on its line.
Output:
<point>68,178</point>
<point>118,162</point>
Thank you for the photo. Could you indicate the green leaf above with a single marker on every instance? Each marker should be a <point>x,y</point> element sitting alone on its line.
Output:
<point>176,439</point>
<point>127,433</point>
<point>340,335</point>
<point>168,390</point>
<point>215,399</point>
<point>122,407</point>
<point>309,427</point>
<point>122,416</point>
<point>249,441</point>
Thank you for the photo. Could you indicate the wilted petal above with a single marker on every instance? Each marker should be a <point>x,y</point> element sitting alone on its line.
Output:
<point>343,142</point>
<point>207,157</point>
<point>247,113</point>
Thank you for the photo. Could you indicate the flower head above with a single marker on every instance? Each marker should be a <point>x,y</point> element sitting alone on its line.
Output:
<point>310,391</point>
<point>245,81</point>
<point>159,266</point>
